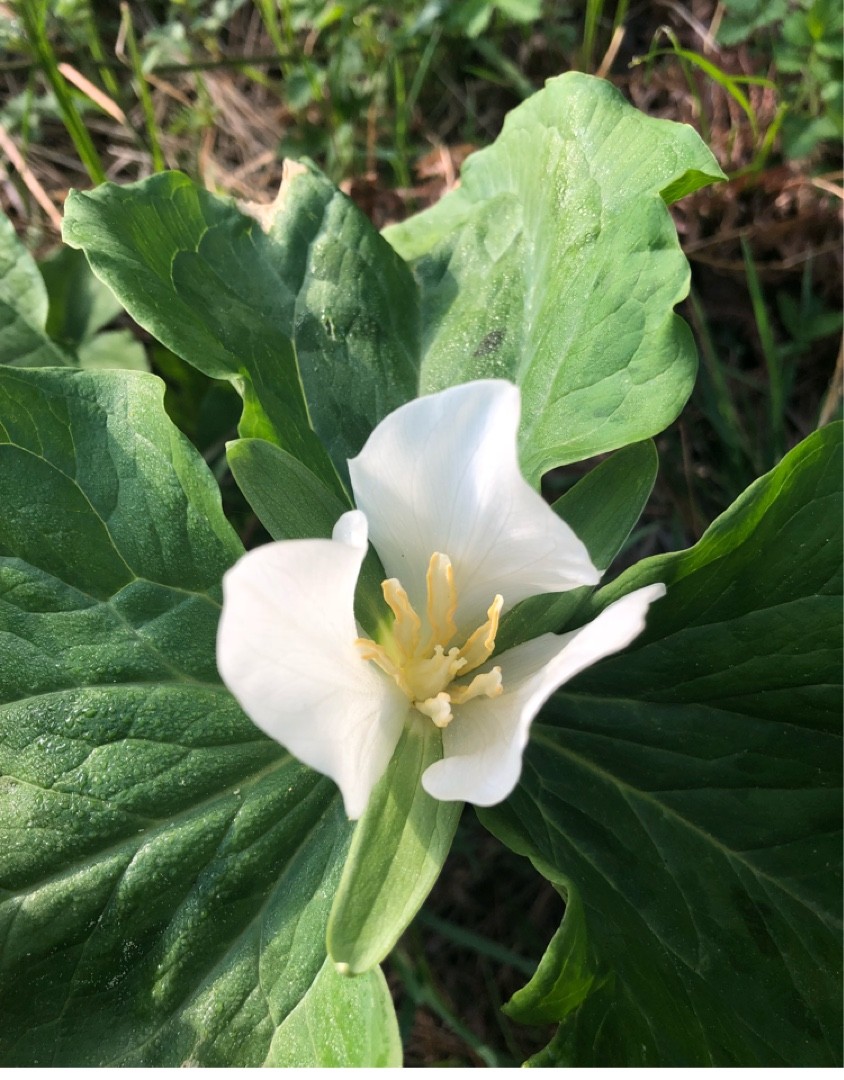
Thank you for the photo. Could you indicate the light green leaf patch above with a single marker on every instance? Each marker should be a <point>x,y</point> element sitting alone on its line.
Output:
<point>339,1021</point>
<point>556,264</point>
<point>310,313</point>
<point>166,871</point>
<point>685,795</point>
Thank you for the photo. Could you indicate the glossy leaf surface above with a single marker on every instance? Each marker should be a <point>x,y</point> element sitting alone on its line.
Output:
<point>166,871</point>
<point>687,793</point>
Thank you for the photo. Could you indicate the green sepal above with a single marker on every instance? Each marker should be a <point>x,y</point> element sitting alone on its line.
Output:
<point>397,852</point>
<point>338,1024</point>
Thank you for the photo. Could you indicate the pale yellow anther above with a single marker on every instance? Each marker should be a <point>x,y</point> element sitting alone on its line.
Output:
<point>437,708</point>
<point>442,599</point>
<point>408,624</point>
<point>426,673</point>
<point>481,645</point>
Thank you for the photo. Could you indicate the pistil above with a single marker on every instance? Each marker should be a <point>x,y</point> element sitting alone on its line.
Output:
<point>426,673</point>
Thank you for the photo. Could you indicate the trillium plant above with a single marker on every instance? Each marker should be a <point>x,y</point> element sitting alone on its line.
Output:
<point>230,778</point>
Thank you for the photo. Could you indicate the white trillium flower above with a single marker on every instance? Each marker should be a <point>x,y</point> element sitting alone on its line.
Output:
<point>463,537</point>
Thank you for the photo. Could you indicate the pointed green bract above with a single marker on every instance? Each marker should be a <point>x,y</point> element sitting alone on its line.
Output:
<point>688,789</point>
<point>398,850</point>
<point>556,264</point>
<point>166,871</point>
<point>340,1022</point>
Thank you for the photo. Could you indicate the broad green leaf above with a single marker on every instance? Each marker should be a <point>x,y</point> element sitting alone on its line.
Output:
<point>355,310</point>
<point>166,871</point>
<point>79,307</point>
<point>118,349</point>
<point>196,273</point>
<point>398,850</point>
<point>317,307</point>
<point>79,303</point>
<point>602,508</point>
<point>556,264</point>
<point>23,307</point>
<point>686,792</point>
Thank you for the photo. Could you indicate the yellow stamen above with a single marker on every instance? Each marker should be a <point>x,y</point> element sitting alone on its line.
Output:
<point>442,599</point>
<point>430,674</point>
<point>408,624</point>
<point>370,650</point>
<point>481,645</point>
<point>426,673</point>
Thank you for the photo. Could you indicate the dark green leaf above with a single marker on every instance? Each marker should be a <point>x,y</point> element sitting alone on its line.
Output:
<point>166,871</point>
<point>686,791</point>
<point>318,307</point>
<point>355,310</point>
<point>23,307</point>
<point>198,275</point>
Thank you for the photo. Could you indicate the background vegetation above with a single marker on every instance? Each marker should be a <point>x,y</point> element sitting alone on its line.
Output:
<point>389,102</point>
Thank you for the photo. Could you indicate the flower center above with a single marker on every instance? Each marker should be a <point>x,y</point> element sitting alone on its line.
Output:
<point>426,668</point>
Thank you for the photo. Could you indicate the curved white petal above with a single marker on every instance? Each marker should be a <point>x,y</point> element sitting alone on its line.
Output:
<point>285,649</point>
<point>483,744</point>
<point>442,474</point>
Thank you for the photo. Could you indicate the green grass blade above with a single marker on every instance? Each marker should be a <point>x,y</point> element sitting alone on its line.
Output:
<point>32,14</point>
<point>128,28</point>
<point>776,382</point>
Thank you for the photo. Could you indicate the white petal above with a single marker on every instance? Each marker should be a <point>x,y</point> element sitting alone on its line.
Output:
<point>442,474</point>
<point>285,649</point>
<point>483,745</point>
